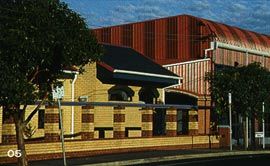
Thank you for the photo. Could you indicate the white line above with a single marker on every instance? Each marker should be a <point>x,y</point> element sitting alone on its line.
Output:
<point>146,74</point>
<point>187,62</point>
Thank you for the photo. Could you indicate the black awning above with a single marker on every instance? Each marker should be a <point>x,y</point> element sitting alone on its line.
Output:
<point>125,66</point>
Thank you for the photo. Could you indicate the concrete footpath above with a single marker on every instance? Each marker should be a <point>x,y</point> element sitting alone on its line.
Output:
<point>147,157</point>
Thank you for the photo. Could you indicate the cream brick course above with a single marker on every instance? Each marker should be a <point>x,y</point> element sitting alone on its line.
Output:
<point>193,112</point>
<point>134,133</point>
<point>147,126</point>
<point>193,125</point>
<point>171,112</point>
<point>108,134</point>
<point>96,133</point>
<point>8,129</point>
<point>88,126</point>
<point>51,128</point>
<point>171,125</point>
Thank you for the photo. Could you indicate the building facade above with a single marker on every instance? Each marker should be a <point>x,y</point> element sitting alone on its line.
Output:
<point>191,47</point>
<point>118,107</point>
<point>133,103</point>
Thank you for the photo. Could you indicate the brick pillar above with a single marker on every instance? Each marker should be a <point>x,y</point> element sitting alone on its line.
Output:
<point>224,132</point>
<point>147,122</point>
<point>204,105</point>
<point>8,130</point>
<point>51,126</point>
<point>87,122</point>
<point>193,122</point>
<point>171,122</point>
<point>119,122</point>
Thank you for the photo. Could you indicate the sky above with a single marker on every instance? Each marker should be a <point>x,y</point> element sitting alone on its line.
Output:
<point>253,15</point>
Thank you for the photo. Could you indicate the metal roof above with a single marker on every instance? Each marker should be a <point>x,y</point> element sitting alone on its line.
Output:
<point>237,36</point>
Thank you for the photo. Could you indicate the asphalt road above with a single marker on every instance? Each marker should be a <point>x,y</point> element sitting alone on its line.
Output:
<point>200,157</point>
<point>116,157</point>
<point>249,160</point>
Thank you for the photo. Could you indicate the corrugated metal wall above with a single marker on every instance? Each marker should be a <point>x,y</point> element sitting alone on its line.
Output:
<point>168,40</point>
<point>193,74</point>
<point>229,57</point>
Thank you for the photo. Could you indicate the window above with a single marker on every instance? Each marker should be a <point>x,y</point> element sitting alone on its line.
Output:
<point>41,116</point>
<point>120,93</point>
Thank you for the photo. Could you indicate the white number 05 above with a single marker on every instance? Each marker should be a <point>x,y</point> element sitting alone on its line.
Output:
<point>14,153</point>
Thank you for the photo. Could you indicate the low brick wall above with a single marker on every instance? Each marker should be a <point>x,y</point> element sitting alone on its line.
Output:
<point>43,150</point>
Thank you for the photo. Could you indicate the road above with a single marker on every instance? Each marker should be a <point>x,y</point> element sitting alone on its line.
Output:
<point>232,160</point>
<point>193,157</point>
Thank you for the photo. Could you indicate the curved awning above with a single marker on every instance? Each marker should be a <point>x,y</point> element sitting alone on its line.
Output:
<point>127,89</point>
<point>125,66</point>
<point>149,90</point>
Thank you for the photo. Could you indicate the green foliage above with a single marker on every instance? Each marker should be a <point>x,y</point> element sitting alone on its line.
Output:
<point>38,39</point>
<point>249,85</point>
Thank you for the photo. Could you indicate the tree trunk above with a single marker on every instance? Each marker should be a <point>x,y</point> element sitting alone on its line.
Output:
<point>18,119</point>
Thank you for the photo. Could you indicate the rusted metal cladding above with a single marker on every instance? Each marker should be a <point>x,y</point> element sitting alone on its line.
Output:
<point>231,58</point>
<point>97,32</point>
<point>237,36</point>
<point>167,40</point>
<point>180,38</point>
<point>115,32</point>
<point>193,73</point>
<point>160,39</point>
<point>149,39</point>
<point>267,63</point>
<point>138,37</point>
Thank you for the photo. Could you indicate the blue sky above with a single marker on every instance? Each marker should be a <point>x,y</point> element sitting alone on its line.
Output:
<point>248,14</point>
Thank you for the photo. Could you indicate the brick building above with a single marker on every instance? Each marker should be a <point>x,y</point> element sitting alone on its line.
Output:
<point>138,104</point>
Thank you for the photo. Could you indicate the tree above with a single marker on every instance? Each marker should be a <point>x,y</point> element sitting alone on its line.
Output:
<point>249,85</point>
<point>38,39</point>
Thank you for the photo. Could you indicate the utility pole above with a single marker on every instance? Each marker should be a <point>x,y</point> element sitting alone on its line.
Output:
<point>230,118</point>
<point>246,143</point>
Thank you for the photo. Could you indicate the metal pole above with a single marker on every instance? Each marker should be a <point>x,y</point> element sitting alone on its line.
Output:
<point>246,132</point>
<point>230,119</point>
<point>263,126</point>
<point>62,132</point>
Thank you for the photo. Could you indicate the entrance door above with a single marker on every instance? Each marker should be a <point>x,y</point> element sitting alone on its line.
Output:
<point>182,121</point>
<point>159,123</point>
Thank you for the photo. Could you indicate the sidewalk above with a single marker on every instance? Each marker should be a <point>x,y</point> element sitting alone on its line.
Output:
<point>145,157</point>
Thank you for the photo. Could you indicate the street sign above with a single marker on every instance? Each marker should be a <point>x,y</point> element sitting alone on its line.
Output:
<point>58,92</point>
<point>230,98</point>
<point>259,134</point>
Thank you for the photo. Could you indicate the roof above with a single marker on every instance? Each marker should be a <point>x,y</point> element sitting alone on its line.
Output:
<point>237,36</point>
<point>226,33</point>
<point>124,65</point>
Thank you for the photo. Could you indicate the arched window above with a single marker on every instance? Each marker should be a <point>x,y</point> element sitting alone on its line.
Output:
<point>149,95</point>
<point>120,93</point>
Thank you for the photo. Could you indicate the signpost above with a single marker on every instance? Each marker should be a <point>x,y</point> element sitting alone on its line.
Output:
<point>261,134</point>
<point>58,93</point>
<point>230,118</point>
<point>263,126</point>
